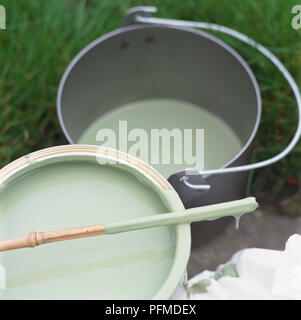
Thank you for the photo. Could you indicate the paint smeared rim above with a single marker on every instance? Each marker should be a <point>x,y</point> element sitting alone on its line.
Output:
<point>83,150</point>
<point>158,183</point>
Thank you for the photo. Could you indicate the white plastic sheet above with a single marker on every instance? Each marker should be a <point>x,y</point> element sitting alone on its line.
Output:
<point>252,274</point>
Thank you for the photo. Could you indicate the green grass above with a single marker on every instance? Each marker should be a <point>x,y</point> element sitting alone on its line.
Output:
<point>43,36</point>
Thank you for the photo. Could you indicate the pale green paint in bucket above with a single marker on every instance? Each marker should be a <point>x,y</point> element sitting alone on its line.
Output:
<point>72,189</point>
<point>221,144</point>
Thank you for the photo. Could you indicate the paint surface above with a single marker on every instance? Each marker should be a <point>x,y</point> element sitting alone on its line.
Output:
<point>131,265</point>
<point>221,144</point>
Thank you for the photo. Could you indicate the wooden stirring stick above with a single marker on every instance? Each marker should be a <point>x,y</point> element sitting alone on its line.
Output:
<point>233,208</point>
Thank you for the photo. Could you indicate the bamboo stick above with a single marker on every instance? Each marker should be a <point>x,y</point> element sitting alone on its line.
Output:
<point>233,208</point>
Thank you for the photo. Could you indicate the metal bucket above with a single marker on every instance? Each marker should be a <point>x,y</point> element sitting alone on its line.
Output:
<point>145,59</point>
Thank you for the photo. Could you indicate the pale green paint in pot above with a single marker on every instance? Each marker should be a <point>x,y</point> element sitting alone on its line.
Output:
<point>221,144</point>
<point>65,187</point>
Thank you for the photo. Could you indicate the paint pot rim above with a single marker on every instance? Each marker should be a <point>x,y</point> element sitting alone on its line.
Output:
<point>198,32</point>
<point>160,185</point>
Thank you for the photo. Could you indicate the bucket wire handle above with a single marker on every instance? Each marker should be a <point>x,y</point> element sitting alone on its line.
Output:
<point>146,18</point>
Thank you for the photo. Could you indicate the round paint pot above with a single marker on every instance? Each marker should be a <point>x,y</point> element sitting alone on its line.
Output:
<point>69,186</point>
<point>138,67</point>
